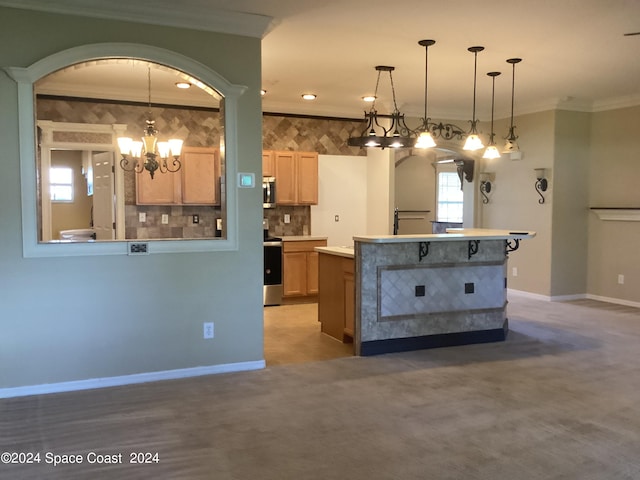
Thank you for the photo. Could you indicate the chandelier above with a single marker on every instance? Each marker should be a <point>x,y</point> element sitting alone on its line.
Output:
<point>149,154</point>
<point>398,135</point>
<point>374,134</point>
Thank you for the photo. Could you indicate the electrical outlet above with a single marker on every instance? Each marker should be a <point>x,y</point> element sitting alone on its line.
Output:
<point>287,218</point>
<point>336,218</point>
<point>207,330</point>
<point>514,271</point>
<point>620,279</point>
<point>142,217</point>
<point>196,218</point>
<point>165,219</point>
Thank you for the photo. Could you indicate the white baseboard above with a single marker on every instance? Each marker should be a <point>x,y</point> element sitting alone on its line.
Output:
<point>522,293</point>
<point>547,298</point>
<point>129,379</point>
<point>566,298</point>
<point>617,301</point>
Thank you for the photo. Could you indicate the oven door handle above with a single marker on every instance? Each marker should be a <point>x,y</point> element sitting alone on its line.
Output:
<point>272,244</point>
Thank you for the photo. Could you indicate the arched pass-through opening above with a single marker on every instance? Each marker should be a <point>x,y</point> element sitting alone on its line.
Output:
<point>26,78</point>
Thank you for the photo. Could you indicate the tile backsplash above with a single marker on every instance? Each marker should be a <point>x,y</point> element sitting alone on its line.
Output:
<point>180,221</point>
<point>300,220</point>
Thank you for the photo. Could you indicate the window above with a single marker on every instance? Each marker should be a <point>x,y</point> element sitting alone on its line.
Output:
<point>61,184</point>
<point>450,197</point>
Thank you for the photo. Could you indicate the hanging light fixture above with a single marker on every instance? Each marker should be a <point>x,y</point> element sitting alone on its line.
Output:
<point>425,139</point>
<point>149,149</point>
<point>473,141</point>
<point>375,135</point>
<point>511,145</point>
<point>492,151</point>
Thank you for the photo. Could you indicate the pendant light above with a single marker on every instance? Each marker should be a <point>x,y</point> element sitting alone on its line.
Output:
<point>511,145</point>
<point>473,141</point>
<point>425,139</point>
<point>492,151</point>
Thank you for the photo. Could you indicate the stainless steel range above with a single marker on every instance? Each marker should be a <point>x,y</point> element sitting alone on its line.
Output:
<point>272,290</point>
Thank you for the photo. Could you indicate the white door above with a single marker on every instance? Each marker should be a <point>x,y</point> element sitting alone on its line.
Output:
<point>103,196</point>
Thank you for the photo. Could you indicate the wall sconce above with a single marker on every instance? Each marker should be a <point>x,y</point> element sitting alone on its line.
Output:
<point>485,186</point>
<point>541,183</point>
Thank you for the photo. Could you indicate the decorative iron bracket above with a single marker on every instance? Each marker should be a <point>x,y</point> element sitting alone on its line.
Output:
<point>446,131</point>
<point>473,247</point>
<point>511,247</point>
<point>423,250</point>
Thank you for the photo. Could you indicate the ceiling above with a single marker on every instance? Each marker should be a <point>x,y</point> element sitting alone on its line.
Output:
<point>575,54</point>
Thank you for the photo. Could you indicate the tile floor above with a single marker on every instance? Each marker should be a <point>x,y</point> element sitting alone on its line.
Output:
<point>292,335</point>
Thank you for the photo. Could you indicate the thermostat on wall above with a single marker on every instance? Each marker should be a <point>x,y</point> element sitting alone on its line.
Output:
<point>246,180</point>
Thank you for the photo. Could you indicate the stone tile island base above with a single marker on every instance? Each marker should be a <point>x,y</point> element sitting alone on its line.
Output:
<point>414,292</point>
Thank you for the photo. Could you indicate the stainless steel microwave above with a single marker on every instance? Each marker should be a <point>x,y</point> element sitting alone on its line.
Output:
<point>268,192</point>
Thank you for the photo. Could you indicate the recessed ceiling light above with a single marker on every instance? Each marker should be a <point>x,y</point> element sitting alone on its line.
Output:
<point>309,96</point>
<point>183,85</point>
<point>369,98</point>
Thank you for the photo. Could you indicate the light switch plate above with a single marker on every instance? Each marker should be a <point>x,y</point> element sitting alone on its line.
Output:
<point>165,219</point>
<point>246,180</point>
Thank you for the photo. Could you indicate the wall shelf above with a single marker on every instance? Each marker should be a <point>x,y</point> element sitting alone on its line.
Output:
<point>620,214</point>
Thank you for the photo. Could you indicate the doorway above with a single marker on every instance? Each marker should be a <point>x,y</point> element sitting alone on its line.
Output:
<point>79,196</point>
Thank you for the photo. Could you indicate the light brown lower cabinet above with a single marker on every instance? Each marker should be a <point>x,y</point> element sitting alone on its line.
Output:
<point>300,267</point>
<point>336,296</point>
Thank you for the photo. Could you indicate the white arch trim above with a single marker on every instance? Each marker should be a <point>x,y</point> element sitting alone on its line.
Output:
<point>26,77</point>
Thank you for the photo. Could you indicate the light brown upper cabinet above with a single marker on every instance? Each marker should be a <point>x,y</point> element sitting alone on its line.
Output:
<point>268,164</point>
<point>163,189</point>
<point>196,183</point>
<point>200,176</point>
<point>296,178</point>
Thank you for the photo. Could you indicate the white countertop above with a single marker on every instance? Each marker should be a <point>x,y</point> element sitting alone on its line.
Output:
<point>339,251</point>
<point>452,235</point>
<point>301,238</point>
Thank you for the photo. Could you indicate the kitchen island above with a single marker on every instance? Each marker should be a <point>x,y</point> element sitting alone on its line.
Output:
<point>423,291</point>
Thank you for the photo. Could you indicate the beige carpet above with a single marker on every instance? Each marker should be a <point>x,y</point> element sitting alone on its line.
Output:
<point>560,399</point>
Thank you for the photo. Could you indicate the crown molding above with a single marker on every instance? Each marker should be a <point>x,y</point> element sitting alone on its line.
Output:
<point>164,12</point>
<point>616,103</point>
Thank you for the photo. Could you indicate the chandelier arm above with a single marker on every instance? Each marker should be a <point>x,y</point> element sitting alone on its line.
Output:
<point>375,119</point>
<point>175,162</point>
<point>131,165</point>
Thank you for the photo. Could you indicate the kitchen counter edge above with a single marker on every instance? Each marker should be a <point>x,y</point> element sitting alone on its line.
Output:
<point>301,238</point>
<point>452,234</point>
<point>346,252</point>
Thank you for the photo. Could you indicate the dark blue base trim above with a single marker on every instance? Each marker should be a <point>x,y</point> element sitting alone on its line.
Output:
<point>377,347</point>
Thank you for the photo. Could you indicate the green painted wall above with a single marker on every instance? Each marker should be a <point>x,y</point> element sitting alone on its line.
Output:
<point>67,319</point>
